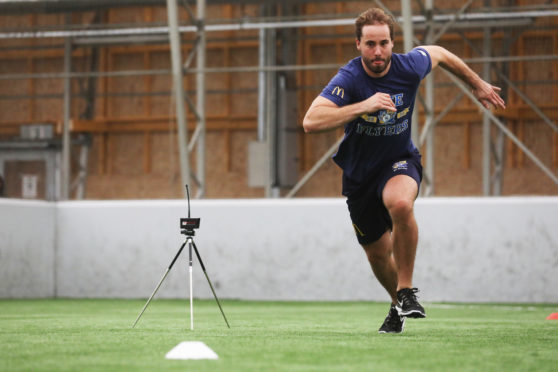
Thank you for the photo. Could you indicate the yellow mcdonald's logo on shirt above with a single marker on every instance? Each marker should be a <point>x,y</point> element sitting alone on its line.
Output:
<point>338,91</point>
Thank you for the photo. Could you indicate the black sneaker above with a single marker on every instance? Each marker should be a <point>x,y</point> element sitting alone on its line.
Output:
<point>393,323</point>
<point>407,304</point>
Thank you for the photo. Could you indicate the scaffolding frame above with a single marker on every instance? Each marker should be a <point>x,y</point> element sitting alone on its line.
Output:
<point>435,25</point>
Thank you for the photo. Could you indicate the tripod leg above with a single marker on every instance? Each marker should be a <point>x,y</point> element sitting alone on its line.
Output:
<point>191,286</point>
<point>210,285</point>
<point>158,285</point>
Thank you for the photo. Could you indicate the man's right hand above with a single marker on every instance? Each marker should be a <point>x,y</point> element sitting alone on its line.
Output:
<point>379,101</point>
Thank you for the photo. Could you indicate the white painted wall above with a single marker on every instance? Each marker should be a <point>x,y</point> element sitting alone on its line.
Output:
<point>470,249</point>
<point>488,249</point>
<point>27,248</point>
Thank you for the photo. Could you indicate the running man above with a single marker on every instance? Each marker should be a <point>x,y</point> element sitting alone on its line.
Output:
<point>373,97</point>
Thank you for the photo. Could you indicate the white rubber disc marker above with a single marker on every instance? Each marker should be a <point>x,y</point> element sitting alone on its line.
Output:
<point>191,350</point>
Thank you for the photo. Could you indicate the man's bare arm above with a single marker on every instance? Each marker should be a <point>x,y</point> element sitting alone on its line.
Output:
<point>323,114</point>
<point>486,93</point>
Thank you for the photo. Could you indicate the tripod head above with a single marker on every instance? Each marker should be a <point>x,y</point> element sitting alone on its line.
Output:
<point>188,224</point>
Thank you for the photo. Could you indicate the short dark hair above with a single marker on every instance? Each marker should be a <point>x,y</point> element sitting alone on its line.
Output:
<point>373,16</point>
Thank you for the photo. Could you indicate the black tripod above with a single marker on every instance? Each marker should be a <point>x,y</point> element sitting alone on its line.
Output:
<point>187,226</point>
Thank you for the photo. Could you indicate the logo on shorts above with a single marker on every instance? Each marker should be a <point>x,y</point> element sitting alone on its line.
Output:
<point>400,165</point>
<point>358,231</point>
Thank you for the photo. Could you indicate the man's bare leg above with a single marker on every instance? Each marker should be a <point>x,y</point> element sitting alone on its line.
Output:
<point>381,260</point>
<point>399,195</point>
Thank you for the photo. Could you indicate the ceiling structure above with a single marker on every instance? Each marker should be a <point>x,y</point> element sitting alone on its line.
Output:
<point>53,6</point>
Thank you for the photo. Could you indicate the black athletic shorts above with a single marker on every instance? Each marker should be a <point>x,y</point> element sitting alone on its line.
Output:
<point>369,215</point>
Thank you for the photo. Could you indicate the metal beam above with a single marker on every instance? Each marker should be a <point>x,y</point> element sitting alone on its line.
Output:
<point>80,182</point>
<point>325,157</point>
<point>176,61</point>
<point>59,6</point>
<point>450,23</point>
<point>438,18</point>
<point>511,84</point>
<point>429,166</point>
<point>261,85</point>
<point>200,98</point>
<point>430,124</point>
<point>408,44</point>
<point>271,114</point>
<point>210,70</point>
<point>407,17</point>
<point>527,100</point>
<point>66,144</point>
<point>486,130</point>
<point>503,128</point>
<point>218,70</point>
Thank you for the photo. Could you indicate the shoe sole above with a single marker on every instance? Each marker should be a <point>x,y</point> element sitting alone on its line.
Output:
<point>415,314</point>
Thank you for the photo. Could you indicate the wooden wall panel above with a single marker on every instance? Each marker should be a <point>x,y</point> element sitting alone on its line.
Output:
<point>452,149</point>
<point>139,158</point>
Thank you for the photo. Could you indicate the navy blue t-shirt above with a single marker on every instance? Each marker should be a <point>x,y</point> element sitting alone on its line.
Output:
<point>374,139</point>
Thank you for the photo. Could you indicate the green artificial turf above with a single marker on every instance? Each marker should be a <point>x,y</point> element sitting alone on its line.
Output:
<point>96,335</point>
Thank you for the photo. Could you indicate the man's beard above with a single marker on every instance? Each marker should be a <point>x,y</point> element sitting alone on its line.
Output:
<point>377,69</point>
